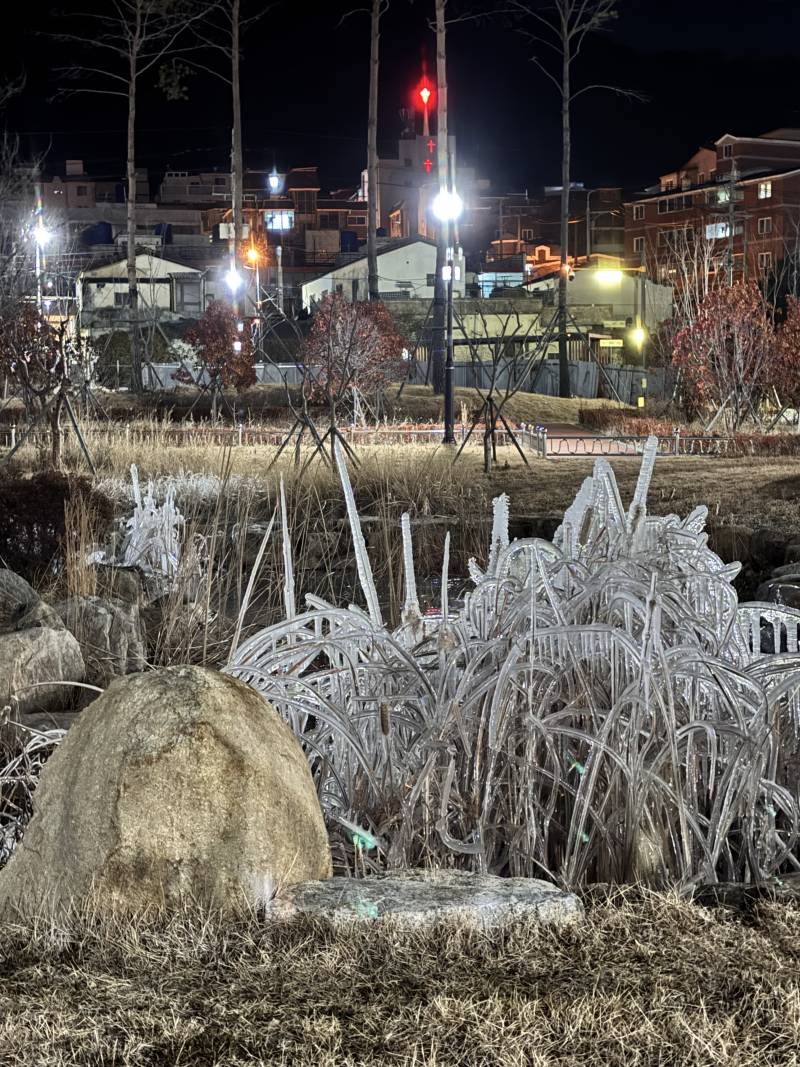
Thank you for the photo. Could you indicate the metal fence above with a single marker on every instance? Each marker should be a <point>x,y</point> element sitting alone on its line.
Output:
<point>586,378</point>
<point>162,375</point>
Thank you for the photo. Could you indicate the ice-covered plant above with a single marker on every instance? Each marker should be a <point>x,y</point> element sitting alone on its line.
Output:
<point>598,709</point>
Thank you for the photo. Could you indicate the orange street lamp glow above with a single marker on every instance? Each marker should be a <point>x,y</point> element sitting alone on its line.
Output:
<point>252,255</point>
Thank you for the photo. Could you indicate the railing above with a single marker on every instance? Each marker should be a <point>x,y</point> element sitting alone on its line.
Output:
<point>546,443</point>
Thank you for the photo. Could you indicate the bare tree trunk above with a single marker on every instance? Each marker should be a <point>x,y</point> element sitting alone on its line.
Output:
<point>55,430</point>
<point>137,384</point>
<point>439,297</point>
<point>236,146</point>
<point>563,276</point>
<point>373,285</point>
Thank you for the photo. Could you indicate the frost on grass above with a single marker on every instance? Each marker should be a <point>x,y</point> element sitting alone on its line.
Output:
<point>599,708</point>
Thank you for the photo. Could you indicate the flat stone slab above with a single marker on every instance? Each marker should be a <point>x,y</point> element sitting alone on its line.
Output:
<point>420,896</point>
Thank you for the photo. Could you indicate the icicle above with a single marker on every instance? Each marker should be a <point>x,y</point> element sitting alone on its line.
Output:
<point>411,606</point>
<point>499,539</point>
<point>445,599</point>
<point>639,502</point>
<point>362,559</point>
<point>289,602</point>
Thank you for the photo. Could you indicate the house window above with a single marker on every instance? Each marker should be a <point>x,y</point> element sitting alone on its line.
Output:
<point>305,201</point>
<point>354,289</point>
<point>638,212</point>
<point>727,151</point>
<point>765,225</point>
<point>701,177</point>
<point>220,181</point>
<point>357,220</point>
<point>187,296</point>
<point>663,207</point>
<point>663,238</point>
<point>121,300</point>
<point>765,260</point>
<point>715,231</point>
<point>669,184</point>
<point>527,235</point>
<point>764,190</point>
<point>82,190</point>
<point>430,281</point>
<point>328,220</point>
<point>279,220</point>
<point>638,244</point>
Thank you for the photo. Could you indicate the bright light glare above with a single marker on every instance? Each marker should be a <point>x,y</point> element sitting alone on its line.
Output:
<point>608,277</point>
<point>425,93</point>
<point>638,336</point>
<point>252,255</point>
<point>234,279</point>
<point>41,235</point>
<point>447,205</point>
<point>274,182</point>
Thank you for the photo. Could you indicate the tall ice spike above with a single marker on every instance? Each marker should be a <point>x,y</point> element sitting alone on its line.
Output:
<point>363,564</point>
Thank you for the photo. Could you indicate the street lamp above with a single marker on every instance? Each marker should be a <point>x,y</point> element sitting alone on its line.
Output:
<point>274,182</point>
<point>233,280</point>
<point>447,207</point>
<point>254,259</point>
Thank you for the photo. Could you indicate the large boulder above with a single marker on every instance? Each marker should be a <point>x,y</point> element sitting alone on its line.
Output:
<point>110,635</point>
<point>175,784</point>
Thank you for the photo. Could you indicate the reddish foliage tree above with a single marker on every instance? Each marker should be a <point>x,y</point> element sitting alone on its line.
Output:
<point>224,353</point>
<point>34,355</point>
<point>725,355</point>
<point>786,360</point>
<point>351,345</point>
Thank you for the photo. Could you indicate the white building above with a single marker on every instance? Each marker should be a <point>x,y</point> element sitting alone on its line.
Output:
<point>629,294</point>
<point>406,271</point>
<point>168,292</point>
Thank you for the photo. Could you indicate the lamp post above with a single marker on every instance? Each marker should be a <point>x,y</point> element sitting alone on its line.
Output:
<point>254,260</point>
<point>447,207</point>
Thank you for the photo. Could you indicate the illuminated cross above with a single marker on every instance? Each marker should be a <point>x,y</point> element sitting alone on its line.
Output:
<point>427,165</point>
<point>431,144</point>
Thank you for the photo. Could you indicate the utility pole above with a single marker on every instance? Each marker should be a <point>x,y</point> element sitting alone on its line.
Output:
<point>500,234</point>
<point>731,219</point>
<point>439,309</point>
<point>373,285</point>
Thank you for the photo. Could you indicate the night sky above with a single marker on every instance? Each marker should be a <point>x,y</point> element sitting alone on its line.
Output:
<point>705,69</point>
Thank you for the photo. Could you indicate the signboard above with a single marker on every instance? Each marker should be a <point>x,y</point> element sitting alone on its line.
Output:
<point>611,342</point>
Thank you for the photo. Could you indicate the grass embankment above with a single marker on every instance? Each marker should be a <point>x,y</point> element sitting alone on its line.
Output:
<point>652,981</point>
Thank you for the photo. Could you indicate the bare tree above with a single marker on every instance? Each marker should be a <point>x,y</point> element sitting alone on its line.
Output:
<point>131,39</point>
<point>561,27</point>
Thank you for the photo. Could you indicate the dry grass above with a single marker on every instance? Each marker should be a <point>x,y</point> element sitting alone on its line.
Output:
<point>418,404</point>
<point>643,982</point>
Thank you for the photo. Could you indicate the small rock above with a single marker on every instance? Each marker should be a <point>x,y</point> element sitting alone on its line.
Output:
<point>31,657</point>
<point>423,896</point>
<point>789,572</point>
<point>119,583</point>
<point>17,598</point>
<point>110,635</point>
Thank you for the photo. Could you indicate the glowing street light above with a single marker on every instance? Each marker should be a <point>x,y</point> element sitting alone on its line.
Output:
<point>233,279</point>
<point>274,181</point>
<point>638,336</point>
<point>41,234</point>
<point>447,205</point>
<point>608,278</point>
<point>252,254</point>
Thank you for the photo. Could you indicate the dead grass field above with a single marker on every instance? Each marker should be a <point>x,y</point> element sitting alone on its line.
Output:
<point>651,981</point>
<point>749,492</point>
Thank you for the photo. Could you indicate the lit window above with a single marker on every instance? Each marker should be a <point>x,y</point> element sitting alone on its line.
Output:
<point>638,244</point>
<point>638,212</point>
<point>765,225</point>
<point>765,260</point>
<point>717,230</point>
<point>279,220</point>
<point>764,190</point>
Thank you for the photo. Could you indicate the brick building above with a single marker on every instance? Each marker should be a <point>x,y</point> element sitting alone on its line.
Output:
<point>734,207</point>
